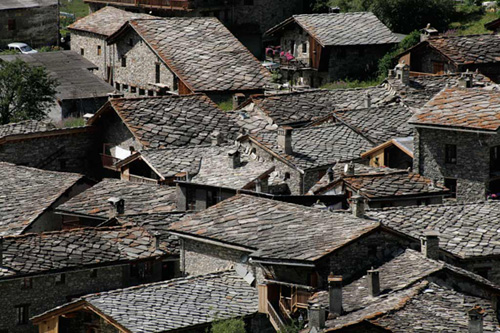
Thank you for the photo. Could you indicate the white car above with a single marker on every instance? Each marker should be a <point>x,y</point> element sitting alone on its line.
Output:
<point>22,47</point>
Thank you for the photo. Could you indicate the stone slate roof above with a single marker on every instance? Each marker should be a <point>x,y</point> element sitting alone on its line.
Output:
<point>423,88</point>
<point>219,62</point>
<point>461,108</point>
<point>297,107</point>
<point>275,230</point>
<point>379,124</point>
<point>138,197</point>
<point>72,72</point>
<point>174,121</point>
<point>177,304</point>
<point>465,229</point>
<point>318,146</point>
<point>25,127</point>
<point>60,250</point>
<point>471,49</point>
<point>343,29</point>
<point>106,21</point>
<point>26,193</point>
<point>19,4</point>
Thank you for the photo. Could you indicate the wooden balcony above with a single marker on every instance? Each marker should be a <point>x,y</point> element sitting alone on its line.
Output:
<point>185,5</point>
<point>109,161</point>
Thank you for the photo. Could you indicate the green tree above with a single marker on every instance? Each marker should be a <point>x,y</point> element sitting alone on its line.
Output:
<point>228,326</point>
<point>25,91</point>
<point>389,60</point>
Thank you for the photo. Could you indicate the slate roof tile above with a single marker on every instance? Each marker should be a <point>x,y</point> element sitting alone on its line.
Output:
<point>25,127</point>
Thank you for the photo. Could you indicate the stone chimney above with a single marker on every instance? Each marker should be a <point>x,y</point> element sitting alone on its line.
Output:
<point>331,174</point>
<point>403,73</point>
<point>316,316</point>
<point>115,94</point>
<point>234,159</point>
<point>466,80</point>
<point>262,185</point>
<point>216,138</point>
<point>285,139</point>
<point>238,99</point>
<point>373,282</point>
<point>391,73</point>
<point>426,32</point>
<point>349,169</point>
<point>358,206</point>
<point>117,206</point>
<point>335,294</point>
<point>368,100</point>
<point>476,319</point>
<point>429,244</point>
<point>87,117</point>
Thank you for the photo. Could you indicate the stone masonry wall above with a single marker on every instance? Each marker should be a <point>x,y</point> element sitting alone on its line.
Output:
<point>298,37</point>
<point>34,26</point>
<point>473,157</point>
<point>89,43</point>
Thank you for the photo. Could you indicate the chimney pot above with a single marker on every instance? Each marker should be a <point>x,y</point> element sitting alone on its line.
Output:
<point>117,206</point>
<point>373,280</point>
<point>335,294</point>
<point>476,319</point>
<point>234,159</point>
<point>368,100</point>
<point>216,138</point>
<point>358,206</point>
<point>238,99</point>
<point>403,73</point>
<point>285,139</point>
<point>316,316</point>
<point>429,244</point>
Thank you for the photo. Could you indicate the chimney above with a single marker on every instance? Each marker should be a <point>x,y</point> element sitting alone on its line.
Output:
<point>234,159</point>
<point>476,319</point>
<point>238,99</point>
<point>87,117</point>
<point>335,294</point>
<point>349,169</point>
<point>331,174</point>
<point>115,94</point>
<point>285,139</point>
<point>117,206</point>
<point>426,32</point>
<point>373,282</point>
<point>258,185</point>
<point>403,73</point>
<point>466,80</point>
<point>358,206</point>
<point>316,316</point>
<point>429,244</point>
<point>216,138</point>
<point>391,74</point>
<point>368,100</point>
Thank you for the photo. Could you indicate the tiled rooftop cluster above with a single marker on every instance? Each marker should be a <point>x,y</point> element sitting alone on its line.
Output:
<point>160,122</point>
<point>138,197</point>
<point>25,127</point>
<point>219,62</point>
<point>26,193</point>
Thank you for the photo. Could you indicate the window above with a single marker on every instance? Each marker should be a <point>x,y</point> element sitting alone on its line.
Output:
<point>117,86</point>
<point>98,50</point>
<point>151,93</point>
<point>131,42</point>
<point>248,2</point>
<point>483,271</point>
<point>93,273</point>
<point>22,314</point>
<point>133,89</point>
<point>82,52</point>
<point>142,92</point>
<point>61,278</point>
<point>141,270</point>
<point>451,184</point>
<point>450,154</point>
<point>157,73</point>
<point>292,47</point>
<point>304,47</point>
<point>11,23</point>
<point>124,61</point>
<point>125,87</point>
<point>27,283</point>
<point>495,159</point>
<point>287,175</point>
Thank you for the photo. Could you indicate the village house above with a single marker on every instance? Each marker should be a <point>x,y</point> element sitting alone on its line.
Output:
<point>127,125</point>
<point>321,48</point>
<point>89,34</point>
<point>380,187</point>
<point>457,143</point>
<point>467,231</point>
<point>445,54</point>
<point>411,292</point>
<point>158,54</point>
<point>40,272</point>
<point>78,90</point>
<point>115,198</point>
<point>29,21</point>
<point>30,196</point>
<point>188,304</point>
<point>40,144</point>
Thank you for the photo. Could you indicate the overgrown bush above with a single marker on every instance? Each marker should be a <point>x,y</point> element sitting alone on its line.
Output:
<point>389,60</point>
<point>228,326</point>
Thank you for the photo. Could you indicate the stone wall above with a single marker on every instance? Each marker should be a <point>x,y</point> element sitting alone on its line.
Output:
<point>472,167</point>
<point>424,61</point>
<point>486,267</point>
<point>296,36</point>
<point>89,42</point>
<point>34,26</point>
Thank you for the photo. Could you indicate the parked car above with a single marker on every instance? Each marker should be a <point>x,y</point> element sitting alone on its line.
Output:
<point>22,47</point>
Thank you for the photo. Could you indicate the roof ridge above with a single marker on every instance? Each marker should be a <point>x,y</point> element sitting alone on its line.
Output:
<point>72,231</point>
<point>446,204</point>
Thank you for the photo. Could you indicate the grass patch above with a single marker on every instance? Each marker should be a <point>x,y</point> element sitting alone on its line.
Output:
<point>471,20</point>
<point>71,122</point>
<point>351,84</point>
<point>76,7</point>
<point>226,105</point>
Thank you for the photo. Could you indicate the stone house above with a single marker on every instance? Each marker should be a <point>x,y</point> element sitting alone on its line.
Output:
<point>220,66</point>
<point>456,141</point>
<point>188,304</point>
<point>40,272</point>
<point>324,48</point>
<point>78,91</point>
<point>89,34</point>
<point>127,125</point>
<point>380,187</point>
<point>456,54</point>
<point>467,232</point>
<point>29,21</point>
<point>30,196</point>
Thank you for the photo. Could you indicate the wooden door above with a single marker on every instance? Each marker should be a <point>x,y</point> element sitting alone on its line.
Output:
<point>438,68</point>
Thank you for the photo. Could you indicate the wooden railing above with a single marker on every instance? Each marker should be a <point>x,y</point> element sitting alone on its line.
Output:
<point>167,4</point>
<point>275,318</point>
<point>286,308</point>
<point>139,179</point>
<point>299,299</point>
<point>109,161</point>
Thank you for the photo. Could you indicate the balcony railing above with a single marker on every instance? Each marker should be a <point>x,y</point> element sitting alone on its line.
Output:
<point>139,179</point>
<point>109,161</point>
<point>160,4</point>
